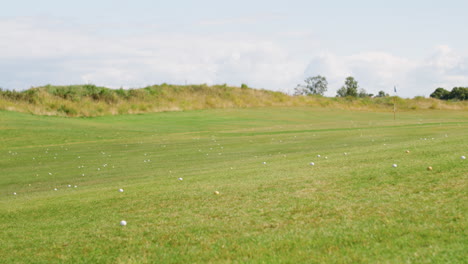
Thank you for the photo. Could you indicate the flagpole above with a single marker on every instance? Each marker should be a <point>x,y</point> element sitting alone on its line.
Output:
<point>394,103</point>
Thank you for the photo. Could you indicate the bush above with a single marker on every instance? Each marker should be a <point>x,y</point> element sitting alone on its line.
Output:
<point>67,110</point>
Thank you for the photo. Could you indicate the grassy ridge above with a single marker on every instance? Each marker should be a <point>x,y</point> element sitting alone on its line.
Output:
<point>273,206</point>
<point>91,100</point>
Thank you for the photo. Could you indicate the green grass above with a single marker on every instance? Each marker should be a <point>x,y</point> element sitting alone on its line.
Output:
<point>353,208</point>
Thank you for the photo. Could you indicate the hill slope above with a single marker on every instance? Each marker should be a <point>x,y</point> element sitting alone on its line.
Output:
<point>91,100</point>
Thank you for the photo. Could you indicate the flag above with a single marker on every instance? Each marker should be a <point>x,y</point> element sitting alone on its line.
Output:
<point>394,88</point>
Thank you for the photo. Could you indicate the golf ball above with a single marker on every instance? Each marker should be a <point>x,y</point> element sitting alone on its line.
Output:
<point>55,189</point>
<point>463,157</point>
<point>216,192</point>
<point>264,162</point>
<point>123,223</point>
<point>120,190</point>
<point>69,185</point>
<point>429,168</point>
<point>312,164</point>
<point>318,156</point>
<point>181,179</point>
<point>394,165</point>
<point>14,193</point>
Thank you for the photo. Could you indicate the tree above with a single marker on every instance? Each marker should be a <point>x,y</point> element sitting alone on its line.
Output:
<point>351,86</point>
<point>313,85</point>
<point>440,93</point>
<point>460,93</point>
<point>382,94</point>
<point>341,92</point>
<point>457,93</point>
<point>349,89</point>
<point>363,93</point>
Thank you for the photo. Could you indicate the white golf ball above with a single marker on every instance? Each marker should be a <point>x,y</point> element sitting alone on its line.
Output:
<point>312,164</point>
<point>120,190</point>
<point>318,156</point>
<point>181,179</point>
<point>264,162</point>
<point>14,193</point>
<point>69,185</point>
<point>55,189</point>
<point>123,223</point>
<point>463,157</point>
<point>394,165</point>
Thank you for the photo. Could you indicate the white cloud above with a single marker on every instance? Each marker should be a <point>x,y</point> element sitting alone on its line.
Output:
<point>377,71</point>
<point>39,51</point>
<point>65,55</point>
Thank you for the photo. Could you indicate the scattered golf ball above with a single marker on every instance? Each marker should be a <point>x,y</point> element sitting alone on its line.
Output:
<point>463,157</point>
<point>394,165</point>
<point>407,151</point>
<point>264,162</point>
<point>312,164</point>
<point>429,168</point>
<point>55,189</point>
<point>181,179</point>
<point>120,190</point>
<point>123,223</point>
<point>76,186</point>
<point>318,156</point>
<point>14,193</point>
<point>216,192</point>
<point>69,185</point>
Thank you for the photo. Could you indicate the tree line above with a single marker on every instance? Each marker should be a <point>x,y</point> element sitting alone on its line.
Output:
<point>457,93</point>
<point>319,85</point>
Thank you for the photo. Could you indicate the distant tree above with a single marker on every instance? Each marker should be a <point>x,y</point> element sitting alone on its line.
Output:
<point>459,93</point>
<point>349,89</point>
<point>341,92</point>
<point>440,93</point>
<point>382,94</point>
<point>313,85</point>
<point>363,93</point>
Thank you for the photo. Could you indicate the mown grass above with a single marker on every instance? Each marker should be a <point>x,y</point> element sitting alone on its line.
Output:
<point>353,208</point>
<point>90,100</point>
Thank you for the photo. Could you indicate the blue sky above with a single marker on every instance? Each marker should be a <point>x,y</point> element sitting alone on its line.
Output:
<point>415,45</point>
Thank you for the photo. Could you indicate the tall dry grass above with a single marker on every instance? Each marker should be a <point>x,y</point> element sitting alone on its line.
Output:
<point>91,100</point>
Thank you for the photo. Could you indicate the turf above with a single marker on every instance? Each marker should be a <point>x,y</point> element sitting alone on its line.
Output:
<point>352,206</point>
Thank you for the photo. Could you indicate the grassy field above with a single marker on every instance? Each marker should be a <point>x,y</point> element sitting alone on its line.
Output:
<point>352,206</point>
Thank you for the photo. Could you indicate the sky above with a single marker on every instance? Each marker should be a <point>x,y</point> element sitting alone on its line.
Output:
<point>415,46</point>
